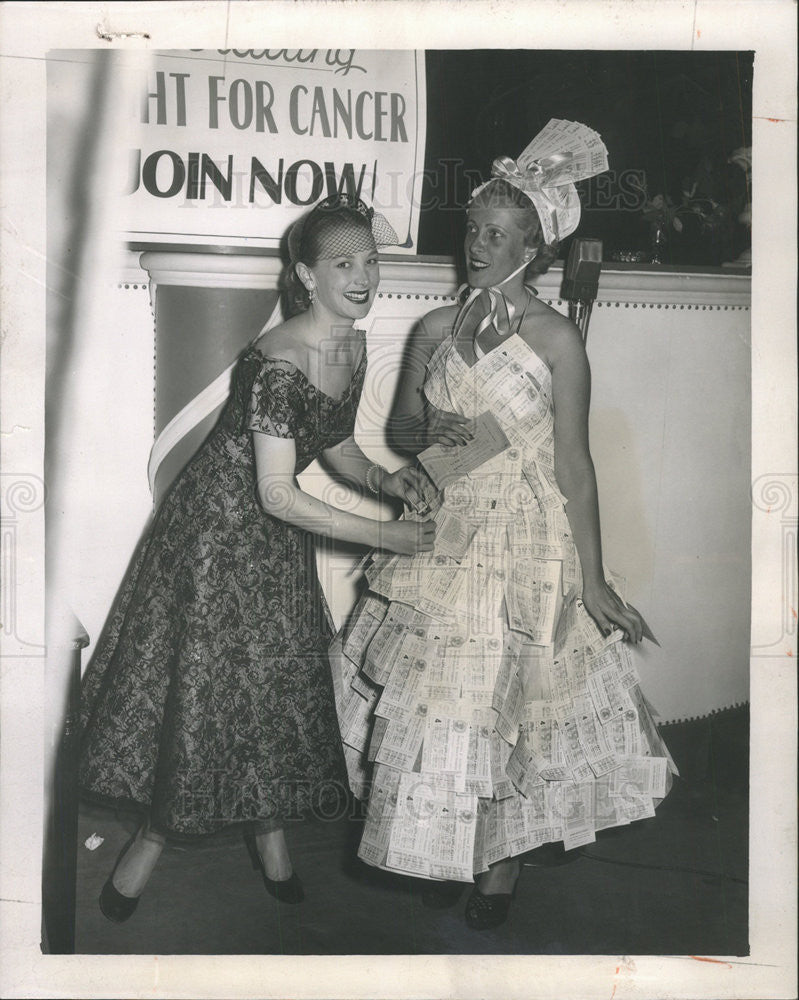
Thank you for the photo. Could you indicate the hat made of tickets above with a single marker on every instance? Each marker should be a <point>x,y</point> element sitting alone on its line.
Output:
<point>548,179</point>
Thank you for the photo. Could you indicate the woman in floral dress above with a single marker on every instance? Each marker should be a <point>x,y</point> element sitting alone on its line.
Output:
<point>208,701</point>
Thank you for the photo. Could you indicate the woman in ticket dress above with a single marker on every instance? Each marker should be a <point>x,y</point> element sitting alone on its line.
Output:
<point>208,701</point>
<point>488,682</point>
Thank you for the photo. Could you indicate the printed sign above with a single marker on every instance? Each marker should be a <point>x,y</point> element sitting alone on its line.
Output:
<point>233,145</point>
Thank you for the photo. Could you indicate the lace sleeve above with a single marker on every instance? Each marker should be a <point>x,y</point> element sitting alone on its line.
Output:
<point>276,403</point>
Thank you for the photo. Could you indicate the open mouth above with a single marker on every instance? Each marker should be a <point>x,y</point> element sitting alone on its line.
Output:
<point>475,264</point>
<point>359,298</point>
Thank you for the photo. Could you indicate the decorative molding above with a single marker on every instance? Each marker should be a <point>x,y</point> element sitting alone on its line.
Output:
<point>21,493</point>
<point>714,713</point>
<point>777,496</point>
<point>422,278</point>
<point>212,270</point>
<point>131,273</point>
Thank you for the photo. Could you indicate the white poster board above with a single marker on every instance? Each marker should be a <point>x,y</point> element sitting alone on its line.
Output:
<point>230,146</point>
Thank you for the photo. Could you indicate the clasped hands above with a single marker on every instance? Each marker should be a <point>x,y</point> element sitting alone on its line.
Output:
<point>412,486</point>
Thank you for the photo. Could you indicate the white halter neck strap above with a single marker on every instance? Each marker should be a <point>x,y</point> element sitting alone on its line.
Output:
<point>495,294</point>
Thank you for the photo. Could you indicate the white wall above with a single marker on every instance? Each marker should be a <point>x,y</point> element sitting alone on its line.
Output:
<point>670,439</point>
<point>670,435</point>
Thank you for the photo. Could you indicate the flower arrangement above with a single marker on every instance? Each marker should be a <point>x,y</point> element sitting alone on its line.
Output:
<point>703,216</point>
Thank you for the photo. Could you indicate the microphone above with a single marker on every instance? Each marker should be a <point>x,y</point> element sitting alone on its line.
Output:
<point>581,280</point>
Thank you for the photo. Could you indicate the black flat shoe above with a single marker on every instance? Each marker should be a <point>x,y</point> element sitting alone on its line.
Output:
<point>484,912</point>
<point>113,905</point>
<point>287,890</point>
<point>441,895</point>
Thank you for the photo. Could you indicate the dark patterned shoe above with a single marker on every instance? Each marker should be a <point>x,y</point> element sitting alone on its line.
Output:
<point>484,912</point>
<point>441,895</point>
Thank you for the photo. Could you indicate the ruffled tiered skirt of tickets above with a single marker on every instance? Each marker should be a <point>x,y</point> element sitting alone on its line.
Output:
<point>482,711</point>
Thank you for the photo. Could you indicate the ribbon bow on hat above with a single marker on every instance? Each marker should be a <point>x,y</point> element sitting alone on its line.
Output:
<point>547,177</point>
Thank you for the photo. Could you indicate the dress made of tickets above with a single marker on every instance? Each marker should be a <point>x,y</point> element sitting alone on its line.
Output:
<point>209,701</point>
<point>483,712</point>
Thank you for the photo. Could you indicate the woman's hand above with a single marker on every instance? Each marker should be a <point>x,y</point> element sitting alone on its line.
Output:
<point>410,484</point>
<point>610,612</point>
<point>406,538</point>
<point>443,427</point>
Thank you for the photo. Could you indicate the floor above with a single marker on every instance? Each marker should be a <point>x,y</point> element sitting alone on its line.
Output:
<point>675,884</point>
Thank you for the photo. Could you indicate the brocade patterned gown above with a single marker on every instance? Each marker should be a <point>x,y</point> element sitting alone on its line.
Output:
<point>208,700</point>
<point>482,710</point>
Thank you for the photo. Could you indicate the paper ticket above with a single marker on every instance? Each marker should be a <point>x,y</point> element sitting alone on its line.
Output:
<point>478,762</point>
<point>444,464</point>
<point>380,573</point>
<point>442,593</point>
<point>387,641</point>
<point>354,717</point>
<point>531,596</point>
<point>454,829</point>
<point>357,772</point>
<point>382,809</point>
<point>625,734</point>
<point>511,711</point>
<point>577,812</point>
<point>442,681</point>
<point>405,685</point>
<point>656,745</point>
<point>572,749</point>
<point>524,766</point>
<point>453,535</point>
<point>545,739</point>
<point>446,746</point>
<point>598,749</point>
<point>565,151</point>
<point>546,497</point>
<point>535,666</point>
<point>402,740</point>
<point>537,824</point>
<point>646,775</point>
<point>605,812</point>
<point>479,659</point>
<point>630,788</point>
<point>410,842</point>
<point>483,809</point>
<point>342,670</point>
<point>379,727</point>
<point>495,840</point>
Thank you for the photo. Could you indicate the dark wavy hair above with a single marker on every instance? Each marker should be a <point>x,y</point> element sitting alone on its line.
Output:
<point>309,241</point>
<point>501,194</point>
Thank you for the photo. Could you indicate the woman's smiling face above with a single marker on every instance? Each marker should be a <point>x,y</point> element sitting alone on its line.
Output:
<point>346,285</point>
<point>495,243</point>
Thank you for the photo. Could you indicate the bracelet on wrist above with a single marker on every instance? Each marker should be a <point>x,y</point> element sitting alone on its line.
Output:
<point>371,473</point>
